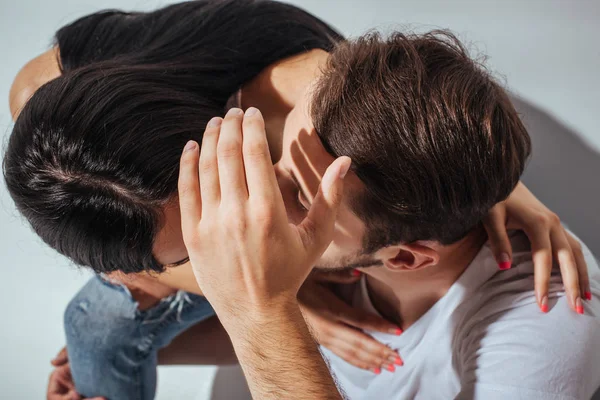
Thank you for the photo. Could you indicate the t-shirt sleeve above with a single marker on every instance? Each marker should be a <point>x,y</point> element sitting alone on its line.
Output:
<point>514,351</point>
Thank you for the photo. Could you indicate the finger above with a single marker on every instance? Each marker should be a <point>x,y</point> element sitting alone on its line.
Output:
<point>210,190</point>
<point>584,278</point>
<point>362,350</point>
<point>229,155</point>
<point>495,226</point>
<point>568,268</point>
<point>54,386</point>
<point>541,250</point>
<point>260,175</point>
<point>63,376</point>
<point>61,358</point>
<point>363,320</point>
<point>357,318</point>
<point>317,227</point>
<point>73,395</point>
<point>188,188</point>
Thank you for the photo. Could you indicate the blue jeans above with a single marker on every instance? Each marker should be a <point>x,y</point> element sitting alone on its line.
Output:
<point>113,346</point>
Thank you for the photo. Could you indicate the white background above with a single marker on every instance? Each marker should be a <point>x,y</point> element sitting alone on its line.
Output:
<point>547,52</point>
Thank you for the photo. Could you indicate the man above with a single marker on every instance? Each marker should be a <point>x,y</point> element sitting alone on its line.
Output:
<point>432,150</point>
<point>443,215</point>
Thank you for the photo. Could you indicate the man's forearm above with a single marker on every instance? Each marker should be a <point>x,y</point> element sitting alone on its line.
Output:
<point>280,358</point>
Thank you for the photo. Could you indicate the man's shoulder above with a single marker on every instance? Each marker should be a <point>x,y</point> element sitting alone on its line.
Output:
<point>504,339</point>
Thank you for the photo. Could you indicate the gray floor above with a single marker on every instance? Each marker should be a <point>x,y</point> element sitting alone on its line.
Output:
<point>545,50</point>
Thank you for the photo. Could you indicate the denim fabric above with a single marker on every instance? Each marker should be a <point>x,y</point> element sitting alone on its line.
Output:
<point>113,346</point>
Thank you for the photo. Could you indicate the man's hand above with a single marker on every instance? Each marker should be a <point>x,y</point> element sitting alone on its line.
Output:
<point>249,261</point>
<point>246,257</point>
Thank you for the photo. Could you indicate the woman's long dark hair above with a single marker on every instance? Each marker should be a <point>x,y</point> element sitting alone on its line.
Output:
<point>93,156</point>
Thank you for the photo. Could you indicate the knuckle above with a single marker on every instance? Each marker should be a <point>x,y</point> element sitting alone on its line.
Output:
<point>236,223</point>
<point>361,365</point>
<point>541,220</point>
<point>184,189</point>
<point>207,165</point>
<point>323,329</point>
<point>576,247</point>
<point>228,149</point>
<point>264,214</point>
<point>255,149</point>
<point>351,354</point>
<point>554,219</point>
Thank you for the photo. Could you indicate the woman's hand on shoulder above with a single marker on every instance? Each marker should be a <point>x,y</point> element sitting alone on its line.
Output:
<point>550,242</point>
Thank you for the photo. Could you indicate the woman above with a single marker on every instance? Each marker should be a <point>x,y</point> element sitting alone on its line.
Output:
<point>92,163</point>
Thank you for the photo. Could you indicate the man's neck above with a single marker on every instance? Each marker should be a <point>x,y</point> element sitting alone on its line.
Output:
<point>405,296</point>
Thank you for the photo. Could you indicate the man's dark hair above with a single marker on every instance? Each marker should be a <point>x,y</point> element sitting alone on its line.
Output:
<point>431,134</point>
<point>94,155</point>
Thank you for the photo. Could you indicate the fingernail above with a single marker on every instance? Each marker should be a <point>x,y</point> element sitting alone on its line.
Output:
<point>344,169</point>
<point>355,272</point>
<point>190,145</point>
<point>544,304</point>
<point>588,295</point>
<point>390,367</point>
<point>214,122</point>
<point>376,371</point>
<point>234,111</point>
<point>504,262</point>
<point>578,306</point>
<point>395,331</point>
<point>251,111</point>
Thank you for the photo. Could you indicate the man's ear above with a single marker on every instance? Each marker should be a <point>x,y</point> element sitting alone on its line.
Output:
<point>409,257</point>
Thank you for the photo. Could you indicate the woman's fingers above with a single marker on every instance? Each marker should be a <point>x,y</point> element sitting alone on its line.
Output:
<point>61,358</point>
<point>541,250</point>
<point>495,225</point>
<point>584,278</point>
<point>568,268</point>
<point>362,351</point>
<point>232,177</point>
<point>358,318</point>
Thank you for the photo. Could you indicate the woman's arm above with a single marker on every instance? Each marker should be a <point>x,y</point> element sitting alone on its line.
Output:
<point>34,74</point>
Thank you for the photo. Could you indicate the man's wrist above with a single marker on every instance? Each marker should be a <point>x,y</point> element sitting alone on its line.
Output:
<point>256,318</point>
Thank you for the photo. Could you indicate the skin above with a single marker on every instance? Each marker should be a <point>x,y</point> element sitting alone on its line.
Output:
<point>280,90</point>
<point>236,222</point>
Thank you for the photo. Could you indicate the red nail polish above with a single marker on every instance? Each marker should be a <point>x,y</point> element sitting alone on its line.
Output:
<point>377,371</point>
<point>398,331</point>
<point>578,306</point>
<point>398,361</point>
<point>355,272</point>
<point>588,295</point>
<point>544,304</point>
<point>504,265</point>
<point>391,368</point>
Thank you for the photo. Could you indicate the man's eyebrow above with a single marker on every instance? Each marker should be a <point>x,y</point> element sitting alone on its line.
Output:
<point>300,188</point>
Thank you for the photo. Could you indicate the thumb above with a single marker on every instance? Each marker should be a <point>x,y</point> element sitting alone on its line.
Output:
<point>317,228</point>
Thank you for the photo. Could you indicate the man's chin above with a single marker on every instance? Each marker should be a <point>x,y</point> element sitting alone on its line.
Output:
<point>348,266</point>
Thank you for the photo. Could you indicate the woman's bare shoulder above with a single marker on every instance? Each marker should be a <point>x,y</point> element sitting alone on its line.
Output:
<point>34,74</point>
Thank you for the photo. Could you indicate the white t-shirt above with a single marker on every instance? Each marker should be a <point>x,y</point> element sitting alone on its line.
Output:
<point>487,339</point>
